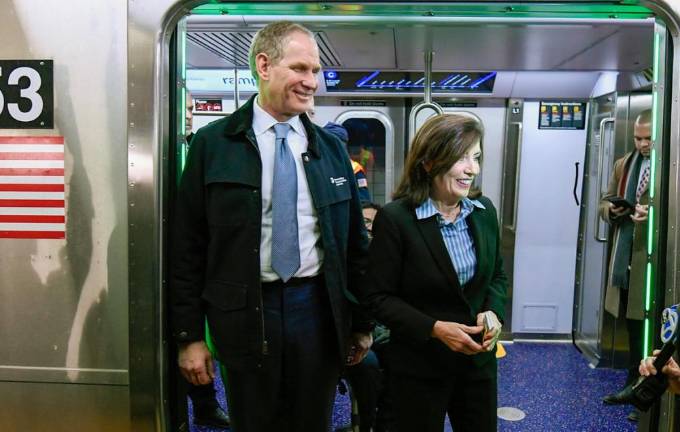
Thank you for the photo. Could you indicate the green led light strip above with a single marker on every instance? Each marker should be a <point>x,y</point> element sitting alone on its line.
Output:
<point>648,297</point>
<point>646,337</point>
<point>182,103</point>
<point>650,231</point>
<point>656,82</point>
<point>652,172</point>
<point>183,145</point>
<point>646,348</point>
<point>509,10</point>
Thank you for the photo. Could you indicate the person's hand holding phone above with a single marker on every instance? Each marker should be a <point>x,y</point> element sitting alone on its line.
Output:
<point>618,211</point>
<point>492,329</point>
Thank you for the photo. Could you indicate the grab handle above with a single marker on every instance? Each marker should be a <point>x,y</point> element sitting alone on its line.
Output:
<point>518,159</point>
<point>427,98</point>
<point>600,170</point>
<point>576,184</point>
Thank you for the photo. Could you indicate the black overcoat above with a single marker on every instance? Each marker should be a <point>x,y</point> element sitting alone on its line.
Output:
<point>215,265</point>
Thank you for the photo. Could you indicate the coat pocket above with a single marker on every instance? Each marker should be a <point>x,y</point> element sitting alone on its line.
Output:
<point>230,203</point>
<point>336,191</point>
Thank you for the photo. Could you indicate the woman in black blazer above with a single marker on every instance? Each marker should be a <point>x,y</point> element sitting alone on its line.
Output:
<point>435,277</point>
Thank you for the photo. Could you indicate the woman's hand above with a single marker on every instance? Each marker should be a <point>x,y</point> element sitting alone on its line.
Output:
<point>457,336</point>
<point>671,369</point>
<point>493,333</point>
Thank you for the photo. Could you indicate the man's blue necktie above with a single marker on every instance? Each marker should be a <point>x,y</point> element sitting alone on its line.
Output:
<point>285,245</point>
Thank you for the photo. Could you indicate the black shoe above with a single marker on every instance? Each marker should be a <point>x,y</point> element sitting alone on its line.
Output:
<point>213,416</point>
<point>634,415</point>
<point>622,397</point>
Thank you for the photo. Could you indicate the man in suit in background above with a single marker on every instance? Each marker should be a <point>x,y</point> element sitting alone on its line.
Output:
<point>628,258</point>
<point>268,239</point>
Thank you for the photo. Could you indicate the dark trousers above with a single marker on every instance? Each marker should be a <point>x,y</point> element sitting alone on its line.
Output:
<point>420,404</point>
<point>203,396</point>
<point>365,379</point>
<point>294,389</point>
<point>635,329</point>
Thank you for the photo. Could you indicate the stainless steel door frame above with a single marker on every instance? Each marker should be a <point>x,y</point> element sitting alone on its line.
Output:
<point>512,155</point>
<point>591,255</point>
<point>149,25</point>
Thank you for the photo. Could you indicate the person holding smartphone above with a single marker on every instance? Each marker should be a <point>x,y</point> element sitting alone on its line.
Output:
<point>435,275</point>
<point>625,207</point>
<point>670,369</point>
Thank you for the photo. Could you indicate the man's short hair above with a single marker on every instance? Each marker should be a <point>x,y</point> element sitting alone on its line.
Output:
<point>645,117</point>
<point>370,205</point>
<point>272,40</point>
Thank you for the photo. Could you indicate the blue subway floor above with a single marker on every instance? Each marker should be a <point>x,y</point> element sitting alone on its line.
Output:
<point>551,383</point>
<point>558,391</point>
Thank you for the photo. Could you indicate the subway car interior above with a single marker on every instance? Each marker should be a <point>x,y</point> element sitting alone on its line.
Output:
<point>557,98</point>
<point>561,90</point>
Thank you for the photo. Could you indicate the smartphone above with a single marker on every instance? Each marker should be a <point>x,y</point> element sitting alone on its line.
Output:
<point>621,202</point>
<point>487,326</point>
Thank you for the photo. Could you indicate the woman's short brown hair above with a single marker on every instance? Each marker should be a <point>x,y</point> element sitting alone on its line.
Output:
<point>440,143</point>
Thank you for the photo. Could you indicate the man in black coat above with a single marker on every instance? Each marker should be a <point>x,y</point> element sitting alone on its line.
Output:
<point>268,240</point>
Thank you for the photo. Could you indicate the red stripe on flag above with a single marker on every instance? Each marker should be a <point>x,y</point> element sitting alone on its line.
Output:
<point>10,187</point>
<point>31,156</point>
<point>32,219</point>
<point>33,234</point>
<point>31,171</point>
<point>31,203</point>
<point>31,140</point>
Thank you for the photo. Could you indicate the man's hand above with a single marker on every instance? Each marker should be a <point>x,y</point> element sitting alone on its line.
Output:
<point>640,214</point>
<point>361,343</point>
<point>671,369</point>
<point>195,363</point>
<point>457,336</point>
<point>491,336</point>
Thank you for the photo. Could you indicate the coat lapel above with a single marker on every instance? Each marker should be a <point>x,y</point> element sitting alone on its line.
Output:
<point>429,229</point>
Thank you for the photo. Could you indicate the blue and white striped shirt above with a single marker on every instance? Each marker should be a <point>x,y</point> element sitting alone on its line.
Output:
<point>456,236</point>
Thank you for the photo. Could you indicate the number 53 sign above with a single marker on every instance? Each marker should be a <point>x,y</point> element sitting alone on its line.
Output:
<point>26,94</point>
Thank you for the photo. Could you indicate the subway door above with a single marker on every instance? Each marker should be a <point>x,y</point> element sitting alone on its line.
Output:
<point>375,139</point>
<point>591,258</point>
<point>548,204</point>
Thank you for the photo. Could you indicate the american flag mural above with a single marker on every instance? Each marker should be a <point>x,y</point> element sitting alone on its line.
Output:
<point>32,187</point>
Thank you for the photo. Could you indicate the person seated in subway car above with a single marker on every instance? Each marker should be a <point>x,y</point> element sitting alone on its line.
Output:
<point>267,241</point>
<point>625,207</point>
<point>359,171</point>
<point>368,378</point>
<point>436,280</point>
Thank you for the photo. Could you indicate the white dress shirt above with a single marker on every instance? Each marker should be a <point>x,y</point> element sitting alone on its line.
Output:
<point>309,233</point>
